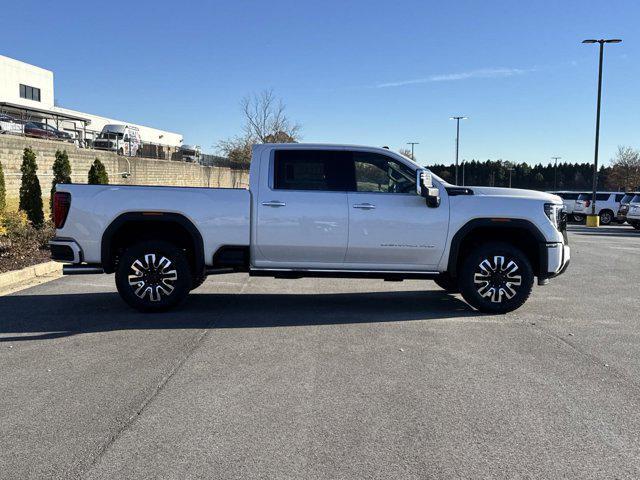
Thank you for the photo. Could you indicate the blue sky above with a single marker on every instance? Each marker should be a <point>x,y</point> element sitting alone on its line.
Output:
<point>366,72</point>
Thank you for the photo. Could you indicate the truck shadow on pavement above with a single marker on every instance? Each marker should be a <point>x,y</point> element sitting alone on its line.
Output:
<point>42,317</point>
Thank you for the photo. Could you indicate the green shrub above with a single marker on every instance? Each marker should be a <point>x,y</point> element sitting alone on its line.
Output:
<point>3,191</point>
<point>98,174</point>
<point>61,174</point>
<point>30,191</point>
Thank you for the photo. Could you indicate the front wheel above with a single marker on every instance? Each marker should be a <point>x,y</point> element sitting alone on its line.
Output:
<point>496,278</point>
<point>153,276</point>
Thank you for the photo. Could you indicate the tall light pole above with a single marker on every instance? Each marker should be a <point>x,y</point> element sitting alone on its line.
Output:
<point>510,168</point>
<point>555,173</point>
<point>457,119</point>
<point>412,144</point>
<point>601,42</point>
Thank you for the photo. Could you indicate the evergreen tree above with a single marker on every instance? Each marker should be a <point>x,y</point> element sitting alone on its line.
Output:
<point>30,191</point>
<point>98,174</point>
<point>3,192</point>
<point>61,173</point>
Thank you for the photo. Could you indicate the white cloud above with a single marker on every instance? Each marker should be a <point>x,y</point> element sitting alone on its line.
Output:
<point>450,77</point>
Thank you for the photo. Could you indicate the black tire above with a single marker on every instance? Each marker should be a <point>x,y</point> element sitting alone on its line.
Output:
<point>447,283</point>
<point>606,217</point>
<point>153,276</point>
<point>488,278</point>
<point>578,218</point>
<point>636,225</point>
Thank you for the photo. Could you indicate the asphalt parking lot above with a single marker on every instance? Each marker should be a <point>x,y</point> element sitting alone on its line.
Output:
<point>325,378</point>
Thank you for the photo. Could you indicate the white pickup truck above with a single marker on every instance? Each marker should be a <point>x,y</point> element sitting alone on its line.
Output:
<point>315,211</point>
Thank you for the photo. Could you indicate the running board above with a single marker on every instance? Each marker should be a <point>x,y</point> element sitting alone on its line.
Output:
<point>81,269</point>
<point>389,275</point>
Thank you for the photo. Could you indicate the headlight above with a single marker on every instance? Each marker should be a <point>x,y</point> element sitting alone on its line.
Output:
<point>553,211</point>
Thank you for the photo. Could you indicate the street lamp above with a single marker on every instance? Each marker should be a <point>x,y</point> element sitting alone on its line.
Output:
<point>412,144</point>
<point>601,42</point>
<point>555,173</point>
<point>457,119</point>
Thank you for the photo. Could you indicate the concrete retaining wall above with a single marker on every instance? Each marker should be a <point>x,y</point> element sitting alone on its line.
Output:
<point>144,171</point>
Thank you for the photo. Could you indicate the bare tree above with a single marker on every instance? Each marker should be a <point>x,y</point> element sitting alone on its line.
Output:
<point>625,169</point>
<point>406,152</point>
<point>266,120</point>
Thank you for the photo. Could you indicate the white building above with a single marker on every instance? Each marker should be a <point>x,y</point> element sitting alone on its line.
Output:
<point>27,91</point>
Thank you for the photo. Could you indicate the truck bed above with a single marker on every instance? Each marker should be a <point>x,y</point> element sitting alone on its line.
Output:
<point>220,214</point>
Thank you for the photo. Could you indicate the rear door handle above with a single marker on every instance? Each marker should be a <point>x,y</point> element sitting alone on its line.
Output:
<point>274,203</point>
<point>364,206</point>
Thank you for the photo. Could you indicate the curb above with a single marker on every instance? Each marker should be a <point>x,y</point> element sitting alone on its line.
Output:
<point>18,279</point>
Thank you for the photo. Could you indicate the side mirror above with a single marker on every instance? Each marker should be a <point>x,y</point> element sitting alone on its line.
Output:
<point>425,188</point>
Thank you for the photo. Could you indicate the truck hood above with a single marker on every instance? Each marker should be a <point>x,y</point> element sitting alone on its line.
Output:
<point>516,193</point>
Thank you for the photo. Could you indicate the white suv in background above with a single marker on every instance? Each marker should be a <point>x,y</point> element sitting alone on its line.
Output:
<point>607,205</point>
<point>633,215</point>
<point>568,200</point>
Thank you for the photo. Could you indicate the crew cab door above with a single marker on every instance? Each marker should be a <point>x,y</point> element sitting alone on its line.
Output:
<point>390,226</point>
<point>301,210</point>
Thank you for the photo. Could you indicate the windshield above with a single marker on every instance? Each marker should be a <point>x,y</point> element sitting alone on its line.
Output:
<point>635,199</point>
<point>110,136</point>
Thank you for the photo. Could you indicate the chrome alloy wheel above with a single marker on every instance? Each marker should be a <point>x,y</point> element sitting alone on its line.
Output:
<point>153,277</point>
<point>495,280</point>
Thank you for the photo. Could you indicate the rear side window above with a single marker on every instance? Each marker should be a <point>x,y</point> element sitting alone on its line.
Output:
<point>602,197</point>
<point>319,170</point>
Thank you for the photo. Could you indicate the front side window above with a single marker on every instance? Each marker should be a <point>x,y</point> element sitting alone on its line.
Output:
<point>319,170</point>
<point>375,172</point>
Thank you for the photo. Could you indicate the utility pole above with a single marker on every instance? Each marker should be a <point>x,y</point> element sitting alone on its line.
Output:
<point>601,42</point>
<point>412,144</point>
<point>457,119</point>
<point>555,173</point>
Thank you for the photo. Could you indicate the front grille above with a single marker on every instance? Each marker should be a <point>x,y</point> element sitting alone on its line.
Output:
<point>562,226</point>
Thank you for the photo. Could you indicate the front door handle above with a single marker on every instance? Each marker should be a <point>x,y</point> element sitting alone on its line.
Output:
<point>274,203</point>
<point>364,206</point>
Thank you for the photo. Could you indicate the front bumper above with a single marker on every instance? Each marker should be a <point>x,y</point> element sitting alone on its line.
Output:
<point>558,259</point>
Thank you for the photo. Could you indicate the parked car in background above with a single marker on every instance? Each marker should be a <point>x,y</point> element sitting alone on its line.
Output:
<point>190,153</point>
<point>8,124</point>
<point>123,139</point>
<point>607,206</point>
<point>568,200</point>
<point>621,216</point>
<point>633,215</point>
<point>37,130</point>
<point>42,130</point>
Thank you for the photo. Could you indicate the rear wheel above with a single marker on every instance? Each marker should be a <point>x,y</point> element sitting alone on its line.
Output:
<point>496,278</point>
<point>636,225</point>
<point>153,276</point>
<point>447,283</point>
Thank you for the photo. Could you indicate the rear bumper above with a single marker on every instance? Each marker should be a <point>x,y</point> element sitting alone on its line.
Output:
<point>65,250</point>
